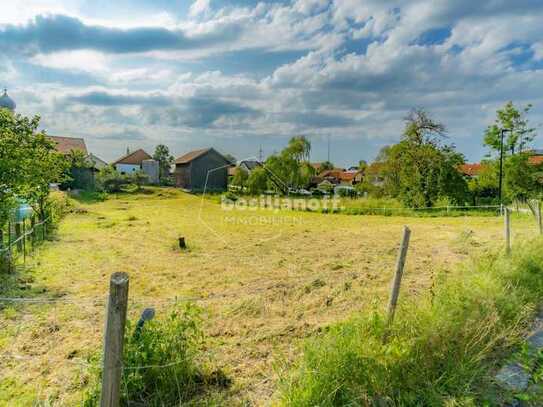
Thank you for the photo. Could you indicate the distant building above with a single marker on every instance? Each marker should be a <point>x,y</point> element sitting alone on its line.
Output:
<point>249,165</point>
<point>199,169</point>
<point>82,178</point>
<point>6,102</point>
<point>470,170</point>
<point>66,145</point>
<point>96,162</point>
<point>131,162</point>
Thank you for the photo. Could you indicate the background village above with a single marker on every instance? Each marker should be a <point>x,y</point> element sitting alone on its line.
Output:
<point>291,172</point>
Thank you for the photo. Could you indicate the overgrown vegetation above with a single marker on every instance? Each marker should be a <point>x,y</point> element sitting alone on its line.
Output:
<point>441,348</point>
<point>161,359</point>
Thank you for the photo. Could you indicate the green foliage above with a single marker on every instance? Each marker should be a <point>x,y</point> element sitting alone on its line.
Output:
<point>519,134</point>
<point>165,161</point>
<point>109,180</point>
<point>418,169</point>
<point>257,182</point>
<point>520,179</point>
<point>240,177</point>
<point>28,163</point>
<point>160,362</point>
<point>291,168</point>
<point>440,348</point>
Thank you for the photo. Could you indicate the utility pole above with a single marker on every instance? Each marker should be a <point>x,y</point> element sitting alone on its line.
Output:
<point>328,159</point>
<point>260,154</point>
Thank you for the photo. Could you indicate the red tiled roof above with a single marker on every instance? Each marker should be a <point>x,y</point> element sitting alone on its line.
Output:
<point>470,169</point>
<point>535,159</point>
<point>66,144</point>
<point>186,158</point>
<point>135,158</point>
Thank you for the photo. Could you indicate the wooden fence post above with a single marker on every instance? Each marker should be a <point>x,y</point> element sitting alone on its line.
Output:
<point>113,340</point>
<point>395,290</point>
<point>33,234</point>
<point>507,224</point>
<point>539,220</point>
<point>18,236</point>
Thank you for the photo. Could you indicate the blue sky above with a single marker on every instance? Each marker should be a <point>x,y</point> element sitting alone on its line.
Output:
<point>241,75</point>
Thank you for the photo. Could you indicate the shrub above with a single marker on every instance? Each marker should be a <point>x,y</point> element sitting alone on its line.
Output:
<point>160,362</point>
<point>440,348</point>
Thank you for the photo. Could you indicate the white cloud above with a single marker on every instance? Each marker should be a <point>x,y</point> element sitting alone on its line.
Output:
<point>199,8</point>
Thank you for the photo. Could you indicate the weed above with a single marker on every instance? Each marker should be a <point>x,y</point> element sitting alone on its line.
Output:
<point>160,362</point>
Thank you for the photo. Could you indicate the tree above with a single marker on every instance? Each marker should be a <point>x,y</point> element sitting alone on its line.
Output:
<point>48,166</point>
<point>419,169</point>
<point>362,165</point>
<point>28,163</point>
<point>520,134</point>
<point>240,177</point>
<point>520,178</point>
<point>327,165</point>
<point>257,182</point>
<point>165,161</point>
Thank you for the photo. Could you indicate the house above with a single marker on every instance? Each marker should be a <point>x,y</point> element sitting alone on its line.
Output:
<point>66,145</point>
<point>470,170</point>
<point>81,178</point>
<point>96,162</point>
<point>249,165</point>
<point>131,162</point>
<point>342,177</point>
<point>202,169</point>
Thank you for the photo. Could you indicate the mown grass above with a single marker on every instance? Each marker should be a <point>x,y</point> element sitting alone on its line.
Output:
<point>263,287</point>
<point>442,348</point>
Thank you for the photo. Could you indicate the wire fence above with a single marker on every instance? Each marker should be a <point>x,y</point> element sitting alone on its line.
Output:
<point>21,241</point>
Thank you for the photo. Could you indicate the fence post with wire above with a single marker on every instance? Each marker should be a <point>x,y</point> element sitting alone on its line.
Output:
<point>17,239</point>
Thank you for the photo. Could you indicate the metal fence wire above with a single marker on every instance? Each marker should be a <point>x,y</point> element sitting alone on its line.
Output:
<point>19,239</point>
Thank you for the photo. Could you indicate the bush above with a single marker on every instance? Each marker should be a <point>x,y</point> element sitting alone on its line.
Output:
<point>439,350</point>
<point>160,362</point>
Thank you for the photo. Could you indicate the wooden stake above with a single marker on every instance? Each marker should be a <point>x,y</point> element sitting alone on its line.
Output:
<point>113,340</point>
<point>507,224</point>
<point>400,263</point>
<point>17,236</point>
<point>539,220</point>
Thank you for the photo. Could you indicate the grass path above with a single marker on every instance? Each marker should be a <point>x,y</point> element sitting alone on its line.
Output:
<point>267,279</point>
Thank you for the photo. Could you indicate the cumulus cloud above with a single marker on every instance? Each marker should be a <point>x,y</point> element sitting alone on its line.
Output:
<point>53,33</point>
<point>345,68</point>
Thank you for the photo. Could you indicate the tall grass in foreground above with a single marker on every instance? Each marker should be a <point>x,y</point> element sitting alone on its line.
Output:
<point>440,349</point>
<point>160,363</point>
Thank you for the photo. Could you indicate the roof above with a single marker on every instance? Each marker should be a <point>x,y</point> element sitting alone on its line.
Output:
<point>134,158</point>
<point>535,159</point>
<point>192,155</point>
<point>66,144</point>
<point>470,169</point>
<point>250,164</point>
<point>96,161</point>
<point>7,102</point>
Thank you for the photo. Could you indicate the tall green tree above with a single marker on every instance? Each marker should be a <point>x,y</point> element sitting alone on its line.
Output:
<point>419,169</point>
<point>28,164</point>
<point>519,134</point>
<point>165,161</point>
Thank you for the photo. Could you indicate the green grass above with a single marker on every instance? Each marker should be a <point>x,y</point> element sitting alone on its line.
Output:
<point>441,349</point>
<point>264,287</point>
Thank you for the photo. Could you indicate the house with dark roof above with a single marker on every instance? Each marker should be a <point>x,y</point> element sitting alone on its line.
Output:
<point>202,169</point>
<point>131,161</point>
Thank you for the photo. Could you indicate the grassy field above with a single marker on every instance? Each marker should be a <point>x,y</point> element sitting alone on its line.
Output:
<point>264,279</point>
